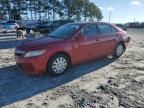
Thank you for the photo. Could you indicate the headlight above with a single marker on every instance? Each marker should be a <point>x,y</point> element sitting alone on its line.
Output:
<point>34,53</point>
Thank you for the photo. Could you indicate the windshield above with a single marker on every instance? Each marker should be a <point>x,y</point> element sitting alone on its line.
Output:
<point>65,31</point>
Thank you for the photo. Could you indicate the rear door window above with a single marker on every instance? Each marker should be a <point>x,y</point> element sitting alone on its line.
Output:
<point>106,29</point>
<point>90,30</point>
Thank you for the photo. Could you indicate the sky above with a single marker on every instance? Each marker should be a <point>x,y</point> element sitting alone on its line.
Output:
<point>122,11</point>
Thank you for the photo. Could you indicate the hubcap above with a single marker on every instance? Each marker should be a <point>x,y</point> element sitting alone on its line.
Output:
<point>59,65</point>
<point>119,50</point>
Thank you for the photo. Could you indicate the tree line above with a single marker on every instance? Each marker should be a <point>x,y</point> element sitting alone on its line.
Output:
<point>49,10</point>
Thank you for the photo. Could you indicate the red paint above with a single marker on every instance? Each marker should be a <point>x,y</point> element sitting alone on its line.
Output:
<point>80,49</point>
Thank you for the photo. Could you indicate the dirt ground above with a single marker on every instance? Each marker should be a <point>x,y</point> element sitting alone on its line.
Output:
<point>105,83</point>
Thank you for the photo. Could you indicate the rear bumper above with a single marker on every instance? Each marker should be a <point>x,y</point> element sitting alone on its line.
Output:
<point>127,41</point>
<point>35,65</point>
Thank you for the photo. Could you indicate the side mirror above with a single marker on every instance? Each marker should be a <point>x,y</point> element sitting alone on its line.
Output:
<point>80,36</point>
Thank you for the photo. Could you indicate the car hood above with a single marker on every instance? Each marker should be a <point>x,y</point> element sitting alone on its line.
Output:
<point>35,44</point>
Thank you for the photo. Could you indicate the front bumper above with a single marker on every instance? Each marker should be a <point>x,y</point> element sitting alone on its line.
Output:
<point>33,65</point>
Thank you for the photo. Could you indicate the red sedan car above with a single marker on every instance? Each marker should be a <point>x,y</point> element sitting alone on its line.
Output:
<point>71,44</point>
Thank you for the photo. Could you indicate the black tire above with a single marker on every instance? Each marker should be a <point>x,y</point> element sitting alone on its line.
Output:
<point>117,53</point>
<point>50,64</point>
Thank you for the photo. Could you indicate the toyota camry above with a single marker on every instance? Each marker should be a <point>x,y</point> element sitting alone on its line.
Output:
<point>71,44</point>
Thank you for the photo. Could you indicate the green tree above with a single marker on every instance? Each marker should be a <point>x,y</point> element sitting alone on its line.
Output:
<point>16,9</point>
<point>6,7</point>
<point>69,8</point>
<point>94,12</point>
<point>99,15</point>
<point>49,9</point>
<point>76,9</point>
<point>86,9</point>
<point>2,12</point>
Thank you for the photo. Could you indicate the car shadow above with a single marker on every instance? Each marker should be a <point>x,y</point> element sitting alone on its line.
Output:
<point>15,85</point>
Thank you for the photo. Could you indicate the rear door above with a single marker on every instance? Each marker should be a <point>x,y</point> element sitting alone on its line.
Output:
<point>108,38</point>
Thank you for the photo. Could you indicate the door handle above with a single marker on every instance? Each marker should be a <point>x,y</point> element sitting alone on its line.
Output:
<point>97,39</point>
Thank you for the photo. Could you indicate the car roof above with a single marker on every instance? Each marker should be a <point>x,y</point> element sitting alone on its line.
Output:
<point>86,23</point>
<point>82,24</point>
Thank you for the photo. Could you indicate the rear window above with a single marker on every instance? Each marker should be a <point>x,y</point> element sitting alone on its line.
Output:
<point>106,29</point>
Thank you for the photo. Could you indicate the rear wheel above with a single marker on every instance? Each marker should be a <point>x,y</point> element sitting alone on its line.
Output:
<point>119,50</point>
<point>58,64</point>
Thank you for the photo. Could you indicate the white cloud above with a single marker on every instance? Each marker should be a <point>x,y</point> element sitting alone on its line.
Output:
<point>101,8</point>
<point>107,9</point>
<point>110,8</point>
<point>136,3</point>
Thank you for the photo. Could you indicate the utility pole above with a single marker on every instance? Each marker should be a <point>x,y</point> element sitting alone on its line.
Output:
<point>110,13</point>
<point>134,20</point>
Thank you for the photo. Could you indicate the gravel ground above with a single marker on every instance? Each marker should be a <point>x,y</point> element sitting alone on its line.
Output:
<point>105,83</point>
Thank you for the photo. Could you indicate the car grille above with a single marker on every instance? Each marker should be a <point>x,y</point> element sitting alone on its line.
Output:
<point>18,54</point>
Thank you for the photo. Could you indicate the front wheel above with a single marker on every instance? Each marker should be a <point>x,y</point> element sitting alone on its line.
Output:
<point>58,64</point>
<point>119,50</point>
